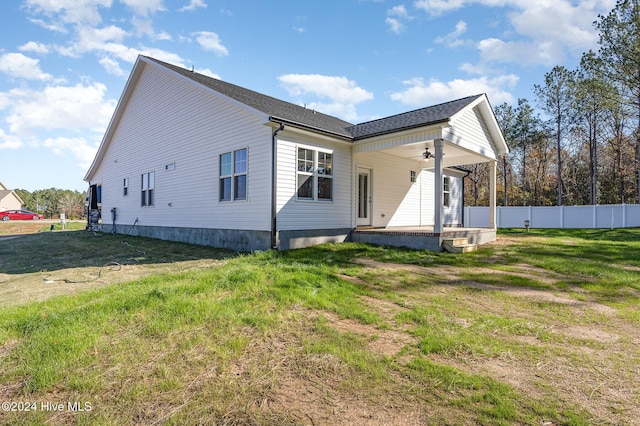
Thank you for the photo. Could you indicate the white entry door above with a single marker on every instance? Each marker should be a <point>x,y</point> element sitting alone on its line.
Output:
<point>364,198</point>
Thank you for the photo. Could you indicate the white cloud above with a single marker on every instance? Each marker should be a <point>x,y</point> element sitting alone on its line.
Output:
<point>163,35</point>
<point>211,42</point>
<point>18,65</point>
<point>193,5</point>
<point>421,93</point>
<point>34,47</point>
<point>76,107</point>
<point>453,38</point>
<point>438,7</point>
<point>9,141</point>
<point>78,147</point>
<point>546,53</point>
<point>112,66</point>
<point>543,32</point>
<point>396,18</point>
<point>69,11</point>
<point>93,35</point>
<point>143,26</point>
<point>145,7</point>
<point>343,94</point>
<point>49,26</point>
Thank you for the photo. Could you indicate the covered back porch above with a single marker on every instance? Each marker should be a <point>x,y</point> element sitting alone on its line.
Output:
<point>410,181</point>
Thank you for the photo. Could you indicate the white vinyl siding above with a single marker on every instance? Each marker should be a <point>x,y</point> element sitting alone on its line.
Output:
<point>399,202</point>
<point>299,214</point>
<point>427,187</point>
<point>170,120</point>
<point>395,199</point>
<point>470,131</point>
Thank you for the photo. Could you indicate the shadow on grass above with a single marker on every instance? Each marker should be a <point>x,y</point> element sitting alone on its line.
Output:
<point>51,251</point>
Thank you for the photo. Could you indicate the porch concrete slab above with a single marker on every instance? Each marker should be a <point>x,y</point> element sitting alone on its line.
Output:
<point>421,237</point>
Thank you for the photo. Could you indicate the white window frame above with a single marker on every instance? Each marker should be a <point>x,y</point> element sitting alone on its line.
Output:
<point>147,189</point>
<point>446,191</point>
<point>311,168</point>
<point>125,187</point>
<point>234,173</point>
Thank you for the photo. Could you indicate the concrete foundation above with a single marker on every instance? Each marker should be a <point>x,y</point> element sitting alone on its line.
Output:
<point>418,238</point>
<point>233,239</point>
<point>293,239</point>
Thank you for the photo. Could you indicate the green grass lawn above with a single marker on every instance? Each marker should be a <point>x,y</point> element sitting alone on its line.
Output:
<point>538,327</point>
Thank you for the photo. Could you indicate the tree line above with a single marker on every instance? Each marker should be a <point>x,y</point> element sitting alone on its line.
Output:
<point>51,202</point>
<point>578,143</point>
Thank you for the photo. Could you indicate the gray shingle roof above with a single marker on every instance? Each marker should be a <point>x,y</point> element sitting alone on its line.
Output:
<point>295,114</point>
<point>273,107</point>
<point>412,119</point>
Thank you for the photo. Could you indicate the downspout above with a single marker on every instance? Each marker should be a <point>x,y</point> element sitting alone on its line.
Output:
<point>463,185</point>
<point>274,186</point>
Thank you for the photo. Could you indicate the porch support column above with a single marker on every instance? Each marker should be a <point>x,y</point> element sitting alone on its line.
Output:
<point>438,203</point>
<point>492,194</point>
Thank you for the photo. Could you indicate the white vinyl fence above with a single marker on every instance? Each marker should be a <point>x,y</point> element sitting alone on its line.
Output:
<point>600,216</point>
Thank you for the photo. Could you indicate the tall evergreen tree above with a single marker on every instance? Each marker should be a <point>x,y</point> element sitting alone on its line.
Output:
<point>557,101</point>
<point>593,96</point>
<point>620,51</point>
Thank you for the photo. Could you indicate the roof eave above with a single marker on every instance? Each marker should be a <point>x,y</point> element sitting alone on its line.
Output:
<point>439,123</point>
<point>307,127</point>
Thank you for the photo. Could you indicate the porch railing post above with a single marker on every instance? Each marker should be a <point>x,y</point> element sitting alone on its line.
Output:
<point>492,194</point>
<point>438,204</point>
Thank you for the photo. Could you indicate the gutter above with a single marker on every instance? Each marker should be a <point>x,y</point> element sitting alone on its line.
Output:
<point>284,121</point>
<point>274,186</point>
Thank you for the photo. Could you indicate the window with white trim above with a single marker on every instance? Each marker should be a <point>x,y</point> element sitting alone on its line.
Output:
<point>446,199</point>
<point>148,187</point>
<point>125,187</point>
<point>314,175</point>
<point>233,175</point>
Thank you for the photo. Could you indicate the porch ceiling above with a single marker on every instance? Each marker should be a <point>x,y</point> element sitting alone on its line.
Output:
<point>454,155</point>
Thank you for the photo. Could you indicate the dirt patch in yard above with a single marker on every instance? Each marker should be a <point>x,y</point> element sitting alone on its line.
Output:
<point>454,276</point>
<point>582,353</point>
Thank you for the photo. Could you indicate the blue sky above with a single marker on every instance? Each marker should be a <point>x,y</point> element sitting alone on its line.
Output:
<point>64,63</point>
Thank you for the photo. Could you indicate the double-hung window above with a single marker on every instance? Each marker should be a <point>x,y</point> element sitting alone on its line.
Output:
<point>446,199</point>
<point>233,175</point>
<point>314,175</point>
<point>148,186</point>
<point>125,187</point>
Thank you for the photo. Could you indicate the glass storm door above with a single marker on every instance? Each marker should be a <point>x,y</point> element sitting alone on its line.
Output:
<point>364,198</point>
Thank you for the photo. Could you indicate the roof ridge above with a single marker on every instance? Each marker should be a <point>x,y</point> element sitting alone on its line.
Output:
<point>419,109</point>
<point>282,111</point>
<point>269,105</point>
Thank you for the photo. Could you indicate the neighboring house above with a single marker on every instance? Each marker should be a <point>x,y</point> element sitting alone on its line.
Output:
<point>190,158</point>
<point>9,200</point>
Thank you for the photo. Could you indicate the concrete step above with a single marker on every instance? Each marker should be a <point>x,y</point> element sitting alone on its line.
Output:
<point>458,241</point>
<point>458,245</point>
